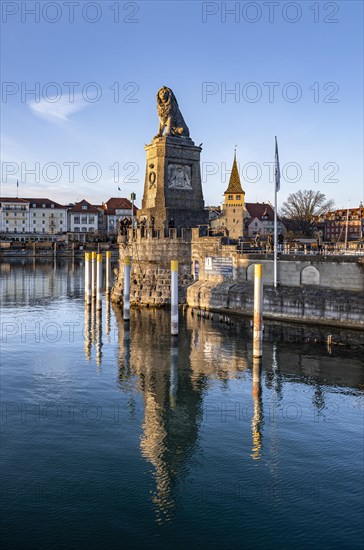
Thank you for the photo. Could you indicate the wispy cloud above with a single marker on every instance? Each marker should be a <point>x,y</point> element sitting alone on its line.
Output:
<point>58,111</point>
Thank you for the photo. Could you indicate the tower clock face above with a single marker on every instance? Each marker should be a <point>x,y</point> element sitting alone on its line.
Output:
<point>179,176</point>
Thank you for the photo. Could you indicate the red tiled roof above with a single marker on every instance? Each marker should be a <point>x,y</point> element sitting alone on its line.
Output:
<point>13,199</point>
<point>257,210</point>
<point>118,204</point>
<point>78,207</point>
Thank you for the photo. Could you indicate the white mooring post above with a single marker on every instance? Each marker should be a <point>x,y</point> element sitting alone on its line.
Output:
<point>88,292</point>
<point>93,273</point>
<point>99,282</point>
<point>174,298</point>
<point>108,271</point>
<point>127,264</point>
<point>258,311</point>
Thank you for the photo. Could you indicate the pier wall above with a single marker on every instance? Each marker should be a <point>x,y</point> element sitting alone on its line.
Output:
<point>151,268</point>
<point>216,276</point>
<point>314,305</point>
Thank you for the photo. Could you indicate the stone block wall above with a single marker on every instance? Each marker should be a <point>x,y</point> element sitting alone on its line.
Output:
<point>316,305</point>
<point>151,271</point>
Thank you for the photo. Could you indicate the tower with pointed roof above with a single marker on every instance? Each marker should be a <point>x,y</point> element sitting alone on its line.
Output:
<point>234,204</point>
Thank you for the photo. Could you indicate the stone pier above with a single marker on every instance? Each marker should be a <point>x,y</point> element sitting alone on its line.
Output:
<point>151,267</point>
<point>217,277</point>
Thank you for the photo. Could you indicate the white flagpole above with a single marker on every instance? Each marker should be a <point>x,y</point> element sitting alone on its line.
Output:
<point>275,237</point>
<point>277,177</point>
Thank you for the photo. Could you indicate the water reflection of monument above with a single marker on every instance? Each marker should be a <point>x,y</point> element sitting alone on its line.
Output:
<point>172,380</point>
<point>172,406</point>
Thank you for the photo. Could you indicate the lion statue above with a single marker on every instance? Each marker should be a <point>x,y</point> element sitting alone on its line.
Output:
<point>170,117</point>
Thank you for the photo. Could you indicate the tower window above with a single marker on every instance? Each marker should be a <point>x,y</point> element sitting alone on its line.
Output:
<point>238,197</point>
<point>230,197</point>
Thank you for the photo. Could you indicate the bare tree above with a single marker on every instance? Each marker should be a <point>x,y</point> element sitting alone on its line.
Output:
<point>303,209</point>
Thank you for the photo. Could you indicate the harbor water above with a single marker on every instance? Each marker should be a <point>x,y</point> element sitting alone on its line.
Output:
<point>120,436</point>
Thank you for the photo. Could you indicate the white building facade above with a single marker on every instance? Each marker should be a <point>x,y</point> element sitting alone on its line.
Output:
<point>25,218</point>
<point>83,218</point>
<point>47,217</point>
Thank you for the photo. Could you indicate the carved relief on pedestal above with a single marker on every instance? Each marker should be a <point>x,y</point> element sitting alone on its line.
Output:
<point>152,186</point>
<point>152,177</point>
<point>179,176</point>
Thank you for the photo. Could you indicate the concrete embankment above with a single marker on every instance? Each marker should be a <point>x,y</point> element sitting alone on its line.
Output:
<point>304,304</point>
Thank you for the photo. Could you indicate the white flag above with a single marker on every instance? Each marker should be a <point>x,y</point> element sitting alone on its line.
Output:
<point>277,170</point>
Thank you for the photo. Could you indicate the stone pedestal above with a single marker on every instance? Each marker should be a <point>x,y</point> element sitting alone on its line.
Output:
<point>173,189</point>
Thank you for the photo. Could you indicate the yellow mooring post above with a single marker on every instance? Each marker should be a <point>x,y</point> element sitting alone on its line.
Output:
<point>93,273</point>
<point>99,282</point>
<point>258,311</point>
<point>108,271</point>
<point>88,294</point>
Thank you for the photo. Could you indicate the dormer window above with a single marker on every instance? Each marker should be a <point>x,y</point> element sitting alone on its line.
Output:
<point>34,205</point>
<point>43,205</point>
<point>52,205</point>
<point>84,207</point>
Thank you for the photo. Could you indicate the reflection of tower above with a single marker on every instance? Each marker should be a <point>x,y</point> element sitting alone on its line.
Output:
<point>257,421</point>
<point>172,405</point>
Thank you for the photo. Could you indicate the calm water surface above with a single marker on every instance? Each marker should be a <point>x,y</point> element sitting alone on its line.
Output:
<point>119,438</point>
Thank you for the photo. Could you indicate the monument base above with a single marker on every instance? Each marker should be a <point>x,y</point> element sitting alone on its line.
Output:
<point>172,191</point>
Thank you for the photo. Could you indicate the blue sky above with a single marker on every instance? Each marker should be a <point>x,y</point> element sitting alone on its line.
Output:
<point>312,51</point>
